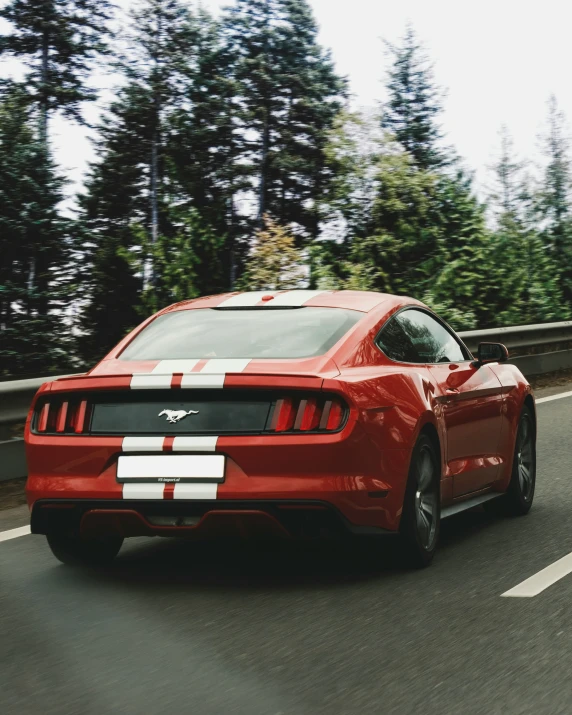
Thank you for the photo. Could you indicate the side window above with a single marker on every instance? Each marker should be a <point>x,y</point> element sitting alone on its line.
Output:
<point>430,341</point>
<point>396,343</point>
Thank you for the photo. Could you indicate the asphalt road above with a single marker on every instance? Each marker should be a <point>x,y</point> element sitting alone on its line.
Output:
<point>299,630</point>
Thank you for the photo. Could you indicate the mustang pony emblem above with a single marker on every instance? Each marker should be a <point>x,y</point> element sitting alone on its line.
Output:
<point>174,416</point>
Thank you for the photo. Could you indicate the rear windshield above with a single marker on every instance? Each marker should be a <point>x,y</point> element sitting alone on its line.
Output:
<point>263,333</point>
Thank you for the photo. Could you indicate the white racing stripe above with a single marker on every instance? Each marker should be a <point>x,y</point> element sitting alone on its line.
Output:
<point>294,298</point>
<point>542,580</point>
<point>143,444</point>
<point>222,366</point>
<point>143,491</point>
<point>195,444</point>
<point>553,397</point>
<point>196,491</point>
<point>169,367</point>
<point>212,375</point>
<point>245,300</point>
<point>199,381</point>
<point>14,533</point>
<point>151,382</point>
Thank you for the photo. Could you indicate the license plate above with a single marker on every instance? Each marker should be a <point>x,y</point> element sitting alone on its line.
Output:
<point>171,468</point>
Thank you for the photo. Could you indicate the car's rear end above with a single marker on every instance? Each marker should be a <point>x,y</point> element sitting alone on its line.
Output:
<point>166,437</point>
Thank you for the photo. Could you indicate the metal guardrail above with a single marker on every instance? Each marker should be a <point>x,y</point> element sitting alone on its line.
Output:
<point>16,396</point>
<point>15,399</point>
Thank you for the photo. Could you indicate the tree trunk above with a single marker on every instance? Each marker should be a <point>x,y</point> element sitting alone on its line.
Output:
<point>154,205</point>
<point>264,167</point>
<point>231,244</point>
<point>44,92</point>
<point>155,143</point>
<point>265,148</point>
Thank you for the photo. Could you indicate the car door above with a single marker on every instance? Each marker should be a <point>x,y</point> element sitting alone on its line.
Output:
<point>471,399</point>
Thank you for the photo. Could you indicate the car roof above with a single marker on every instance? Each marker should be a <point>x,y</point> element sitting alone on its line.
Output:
<point>364,301</point>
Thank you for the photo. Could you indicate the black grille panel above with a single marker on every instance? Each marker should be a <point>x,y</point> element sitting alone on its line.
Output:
<point>163,413</point>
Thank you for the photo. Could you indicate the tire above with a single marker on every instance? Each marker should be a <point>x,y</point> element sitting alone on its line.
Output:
<point>421,519</point>
<point>74,551</point>
<point>517,500</point>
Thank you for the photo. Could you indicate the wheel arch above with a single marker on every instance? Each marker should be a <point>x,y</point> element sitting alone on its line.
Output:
<point>430,430</point>
<point>529,402</point>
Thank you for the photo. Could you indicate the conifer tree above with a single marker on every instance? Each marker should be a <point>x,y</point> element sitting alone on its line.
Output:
<point>414,103</point>
<point>58,40</point>
<point>204,146</point>
<point>33,240</point>
<point>291,95</point>
<point>154,67</point>
<point>555,199</point>
<point>524,272</point>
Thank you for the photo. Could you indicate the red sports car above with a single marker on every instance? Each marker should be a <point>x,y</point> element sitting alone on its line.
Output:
<point>292,412</point>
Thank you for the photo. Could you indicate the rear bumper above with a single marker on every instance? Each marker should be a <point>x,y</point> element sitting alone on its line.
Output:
<point>347,472</point>
<point>280,518</point>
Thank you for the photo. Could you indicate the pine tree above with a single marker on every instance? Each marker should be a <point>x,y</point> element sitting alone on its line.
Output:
<point>155,66</point>
<point>274,262</point>
<point>460,287</point>
<point>181,260</point>
<point>524,273</point>
<point>154,191</point>
<point>204,146</point>
<point>32,245</point>
<point>58,40</point>
<point>115,200</point>
<point>414,103</point>
<point>555,200</point>
<point>292,95</point>
<point>401,250</point>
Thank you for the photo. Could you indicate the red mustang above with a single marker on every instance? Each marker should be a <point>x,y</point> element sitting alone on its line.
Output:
<point>294,412</point>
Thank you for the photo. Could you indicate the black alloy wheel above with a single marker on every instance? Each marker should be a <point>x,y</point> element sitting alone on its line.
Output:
<point>421,519</point>
<point>520,494</point>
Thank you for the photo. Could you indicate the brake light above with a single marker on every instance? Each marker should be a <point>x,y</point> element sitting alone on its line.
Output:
<point>62,417</point>
<point>308,414</point>
<point>284,415</point>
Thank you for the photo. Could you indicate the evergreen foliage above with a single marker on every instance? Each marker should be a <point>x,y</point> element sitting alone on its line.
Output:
<point>227,158</point>
<point>58,40</point>
<point>414,103</point>
<point>291,95</point>
<point>555,198</point>
<point>33,245</point>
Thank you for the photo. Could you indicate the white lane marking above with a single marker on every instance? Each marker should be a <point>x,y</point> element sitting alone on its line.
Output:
<point>195,491</point>
<point>150,382</point>
<point>143,491</point>
<point>223,365</point>
<point>294,298</point>
<point>171,466</point>
<point>143,444</point>
<point>169,367</point>
<point>245,300</point>
<point>553,397</point>
<point>198,380</point>
<point>542,580</point>
<point>14,533</point>
<point>195,444</point>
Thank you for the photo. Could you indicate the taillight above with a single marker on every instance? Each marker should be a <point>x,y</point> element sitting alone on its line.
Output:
<point>66,416</point>
<point>308,414</point>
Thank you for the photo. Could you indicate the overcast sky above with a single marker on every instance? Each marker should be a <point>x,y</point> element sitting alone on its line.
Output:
<point>498,60</point>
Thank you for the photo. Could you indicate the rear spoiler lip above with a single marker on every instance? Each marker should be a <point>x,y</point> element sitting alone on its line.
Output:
<point>95,383</point>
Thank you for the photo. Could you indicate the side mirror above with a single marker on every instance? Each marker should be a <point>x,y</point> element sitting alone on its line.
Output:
<point>492,352</point>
